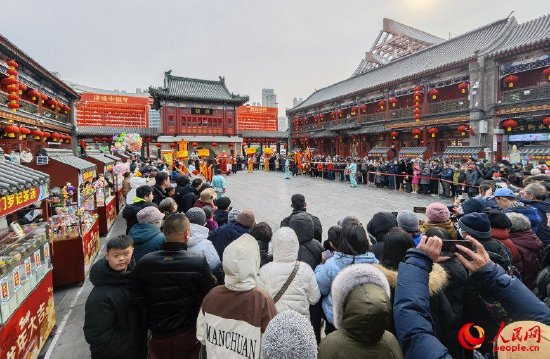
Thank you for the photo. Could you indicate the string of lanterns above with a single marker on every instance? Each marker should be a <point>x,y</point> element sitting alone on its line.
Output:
<point>417,97</point>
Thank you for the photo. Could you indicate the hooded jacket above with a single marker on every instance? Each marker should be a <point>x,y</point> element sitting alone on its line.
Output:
<point>310,249</point>
<point>527,211</point>
<point>317,227</point>
<point>130,211</point>
<point>185,198</point>
<point>325,274</point>
<point>224,235</point>
<point>289,335</point>
<point>112,327</point>
<point>199,244</point>
<point>362,311</point>
<point>543,208</point>
<point>147,238</point>
<point>303,290</point>
<point>234,316</point>
<point>530,250</point>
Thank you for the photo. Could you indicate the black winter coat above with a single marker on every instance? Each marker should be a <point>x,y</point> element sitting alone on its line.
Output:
<point>317,229</point>
<point>185,198</point>
<point>158,194</point>
<point>310,249</point>
<point>130,211</point>
<point>220,216</point>
<point>171,284</point>
<point>113,328</point>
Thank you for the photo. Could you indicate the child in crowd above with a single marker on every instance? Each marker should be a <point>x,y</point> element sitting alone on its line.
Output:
<point>211,223</point>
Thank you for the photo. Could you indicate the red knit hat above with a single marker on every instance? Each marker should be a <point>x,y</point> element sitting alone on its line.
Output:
<point>437,213</point>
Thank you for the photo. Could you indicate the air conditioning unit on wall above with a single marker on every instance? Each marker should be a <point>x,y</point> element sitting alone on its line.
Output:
<point>483,127</point>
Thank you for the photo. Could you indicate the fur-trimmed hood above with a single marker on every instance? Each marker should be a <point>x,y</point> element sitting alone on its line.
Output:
<point>437,282</point>
<point>447,225</point>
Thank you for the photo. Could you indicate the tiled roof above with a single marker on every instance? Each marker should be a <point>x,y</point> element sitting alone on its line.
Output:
<point>67,157</point>
<point>15,177</point>
<point>113,157</point>
<point>412,151</point>
<point>269,134</point>
<point>536,31</point>
<point>185,88</point>
<point>111,131</point>
<point>379,150</point>
<point>462,150</point>
<point>98,156</point>
<point>371,129</point>
<point>456,50</point>
<point>535,150</point>
<point>322,134</point>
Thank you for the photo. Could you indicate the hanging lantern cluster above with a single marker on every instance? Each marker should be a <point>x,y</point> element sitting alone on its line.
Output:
<point>416,132</point>
<point>393,102</point>
<point>546,73</point>
<point>463,129</point>
<point>13,85</point>
<point>394,135</point>
<point>511,80</point>
<point>11,130</point>
<point>382,104</point>
<point>433,93</point>
<point>546,122</point>
<point>510,124</point>
<point>417,97</point>
<point>463,87</point>
<point>433,131</point>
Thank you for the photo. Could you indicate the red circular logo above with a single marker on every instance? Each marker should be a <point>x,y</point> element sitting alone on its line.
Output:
<point>467,339</point>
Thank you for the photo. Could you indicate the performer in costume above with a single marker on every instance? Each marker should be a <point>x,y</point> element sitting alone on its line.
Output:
<point>250,164</point>
<point>266,163</point>
<point>287,168</point>
<point>352,173</point>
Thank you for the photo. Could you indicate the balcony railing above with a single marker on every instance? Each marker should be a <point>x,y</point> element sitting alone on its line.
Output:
<point>31,108</point>
<point>449,106</point>
<point>371,117</point>
<point>401,112</point>
<point>526,94</point>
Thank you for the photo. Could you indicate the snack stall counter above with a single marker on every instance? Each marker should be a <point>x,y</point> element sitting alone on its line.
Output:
<point>105,198</point>
<point>118,172</point>
<point>73,227</point>
<point>27,314</point>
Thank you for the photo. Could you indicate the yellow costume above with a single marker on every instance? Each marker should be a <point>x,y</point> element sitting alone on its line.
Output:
<point>250,165</point>
<point>266,164</point>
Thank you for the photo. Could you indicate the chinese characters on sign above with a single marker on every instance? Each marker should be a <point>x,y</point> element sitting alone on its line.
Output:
<point>111,98</point>
<point>201,111</point>
<point>12,202</point>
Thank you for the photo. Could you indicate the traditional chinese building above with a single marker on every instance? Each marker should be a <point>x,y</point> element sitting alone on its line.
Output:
<point>36,107</point>
<point>444,97</point>
<point>202,113</point>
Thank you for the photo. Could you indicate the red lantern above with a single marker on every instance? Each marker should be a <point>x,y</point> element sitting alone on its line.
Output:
<point>433,93</point>
<point>24,132</point>
<point>8,81</point>
<point>354,110</point>
<point>13,97</point>
<point>463,87</point>
<point>37,134</point>
<point>34,94</point>
<point>230,145</point>
<point>82,144</point>
<point>462,129</point>
<point>393,101</point>
<point>509,124</point>
<point>11,131</point>
<point>322,116</point>
<point>363,108</point>
<point>43,97</point>
<point>546,73</point>
<point>340,113</point>
<point>418,89</point>
<point>382,104</point>
<point>416,111</point>
<point>394,134</point>
<point>95,139</point>
<point>433,131</point>
<point>22,87</point>
<point>55,136</point>
<point>104,139</point>
<point>158,145</point>
<point>416,132</point>
<point>12,63</point>
<point>52,103</point>
<point>46,135</point>
<point>546,121</point>
<point>511,80</point>
<point>194,144</point>
<point>173,145</point>
<point>214,144</point>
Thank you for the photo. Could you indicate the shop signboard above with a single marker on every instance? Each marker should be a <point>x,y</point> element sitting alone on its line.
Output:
<point>111,213</point>
<point>90,242</point>
<point>15,201</point>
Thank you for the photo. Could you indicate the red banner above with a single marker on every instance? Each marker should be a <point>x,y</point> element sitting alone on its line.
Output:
<point>90,243</point>
<point>15,201</point>
<point>111,212</point>
<point>30,325</point>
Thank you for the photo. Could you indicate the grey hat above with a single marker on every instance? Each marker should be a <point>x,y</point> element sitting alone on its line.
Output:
<point>289,335</point>
<point>232,215</point>
<point>196,215</point>
<point>408,221</point>
<point>520,222</point>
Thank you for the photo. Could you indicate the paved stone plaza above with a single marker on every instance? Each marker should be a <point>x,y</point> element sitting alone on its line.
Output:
<point>268,195</point>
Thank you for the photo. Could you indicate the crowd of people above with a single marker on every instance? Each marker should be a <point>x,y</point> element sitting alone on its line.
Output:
<point>195,278</point>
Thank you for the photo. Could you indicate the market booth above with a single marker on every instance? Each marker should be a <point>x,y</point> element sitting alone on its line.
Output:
<point>106,201</point>
<point>118,172</point>
<point>415,152</point>
<point>27,314</point>
<point>534,154</point>
<point>461,153</point>
<point>381,153</point>
<point>72,222</point>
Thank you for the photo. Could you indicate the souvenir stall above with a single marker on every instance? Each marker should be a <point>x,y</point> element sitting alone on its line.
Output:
<point>118,171</point>
<point>381,153</point>
<point>463,153</point>
<point>535,154</point>
<point>415,152</point>
<point>73,228</point>
<point>104,190</point>
<point>27,314</point>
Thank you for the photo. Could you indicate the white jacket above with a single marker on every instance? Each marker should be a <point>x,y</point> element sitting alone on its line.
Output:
<point>303,290</point>
<point>199,244</point>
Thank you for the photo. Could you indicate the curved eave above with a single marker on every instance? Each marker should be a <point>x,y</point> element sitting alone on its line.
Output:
<point>236,100</point>
<point>519,49</point>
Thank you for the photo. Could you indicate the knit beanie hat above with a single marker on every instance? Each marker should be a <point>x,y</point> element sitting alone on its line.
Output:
<point>437,213</point>
<point>408,221</point>
<point>222,202</point>
<point>380,224</point>
<point>476,224</point>
<point>520,223</point>
<point>232,215</point>
<point>498,218</point>
<point>149,214</point>
<point>289,335</point>
<point>473,205</point>
<point>196,215</point>
<point>246,218</point>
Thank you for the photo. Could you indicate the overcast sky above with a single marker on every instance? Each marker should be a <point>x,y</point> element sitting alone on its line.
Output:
<point>292,46</point>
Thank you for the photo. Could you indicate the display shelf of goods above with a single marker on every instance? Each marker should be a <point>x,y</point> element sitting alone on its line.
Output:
<point>24,261</point>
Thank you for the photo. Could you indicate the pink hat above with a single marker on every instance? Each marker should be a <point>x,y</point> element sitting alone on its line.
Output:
<point>149,214</point>
<point>437,213</point>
